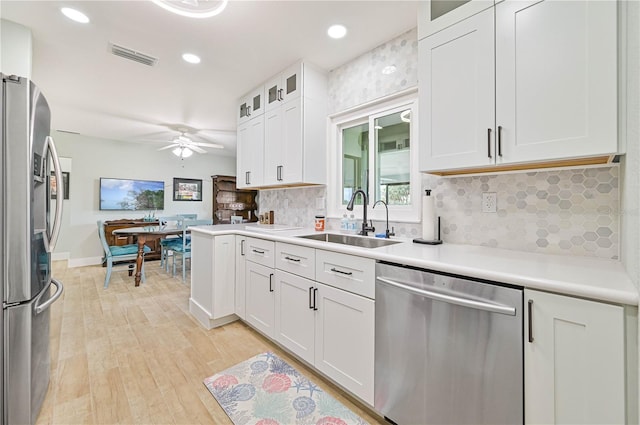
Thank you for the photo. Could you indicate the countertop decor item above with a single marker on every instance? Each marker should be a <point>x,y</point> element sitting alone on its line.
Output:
<point>437,241</point>
<point>266,389</point>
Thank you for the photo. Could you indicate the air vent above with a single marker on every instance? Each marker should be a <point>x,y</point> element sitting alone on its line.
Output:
<point>131,54</point>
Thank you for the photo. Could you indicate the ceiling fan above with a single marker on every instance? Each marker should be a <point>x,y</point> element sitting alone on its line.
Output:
<point>184,146</point>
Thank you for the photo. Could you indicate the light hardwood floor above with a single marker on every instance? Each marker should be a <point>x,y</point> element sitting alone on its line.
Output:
<point>136,356</point>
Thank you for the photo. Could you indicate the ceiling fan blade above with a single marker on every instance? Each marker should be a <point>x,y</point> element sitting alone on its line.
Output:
<point>195,148</point>
<point>207,145</point>
<point>169,146</point>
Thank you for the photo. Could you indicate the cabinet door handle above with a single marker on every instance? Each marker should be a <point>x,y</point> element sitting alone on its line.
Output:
<point>246,177</point>
<point>310,296</point>
<point>271,282</point>
<point>257,251</point>
<point>279,172</point>
<point>530,311</point>
<point>333,269</point>
<point>297,260</point>
<point>499,140</point>
<point>242,247</point>
<point>315,292</point>
<point>248,111</point>
<point>280,95</point>
<point>489,142</point>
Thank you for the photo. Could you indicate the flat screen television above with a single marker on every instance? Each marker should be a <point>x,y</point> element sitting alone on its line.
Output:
<point>127,194</point>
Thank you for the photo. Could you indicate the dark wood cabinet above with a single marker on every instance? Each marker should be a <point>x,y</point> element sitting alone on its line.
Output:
<point>153,241</point>
<point>228,201</point>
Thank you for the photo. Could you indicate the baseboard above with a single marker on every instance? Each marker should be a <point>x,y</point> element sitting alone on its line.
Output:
<point>82,262</point>
<point>59,256</point>
<point>204,317</point>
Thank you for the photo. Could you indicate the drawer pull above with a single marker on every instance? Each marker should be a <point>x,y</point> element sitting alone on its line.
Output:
<point>333,269</point>
<point>297,260</point>
<point>258,252</point>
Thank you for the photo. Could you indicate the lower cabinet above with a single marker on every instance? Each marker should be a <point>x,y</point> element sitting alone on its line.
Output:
<point>212,281</point>
<point>329,328</point>
<point>260,297</point>
<point>241,261</point>
<point>574,360</point>
<point>345,328</point>
<point>295,315</point>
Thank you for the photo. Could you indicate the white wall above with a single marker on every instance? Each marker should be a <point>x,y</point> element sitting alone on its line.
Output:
<point>15,49</point>
<point>93,158</point>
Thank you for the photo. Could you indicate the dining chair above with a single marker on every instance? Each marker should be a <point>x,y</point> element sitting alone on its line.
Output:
<point>183,250</point>
<point>168,240</point>
<point>113,253</point>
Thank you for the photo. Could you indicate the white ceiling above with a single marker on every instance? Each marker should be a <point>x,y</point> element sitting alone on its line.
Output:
<point>94,93</point>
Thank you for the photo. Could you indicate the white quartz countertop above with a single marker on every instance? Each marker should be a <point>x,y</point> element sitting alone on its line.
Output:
<point>588,277</point>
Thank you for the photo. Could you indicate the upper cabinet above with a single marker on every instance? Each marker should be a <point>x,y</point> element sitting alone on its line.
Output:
<point>436,15</point>
<point>251,105</point>
<point>284,86</point>
<point>293,132</point>
<point>519,85</point>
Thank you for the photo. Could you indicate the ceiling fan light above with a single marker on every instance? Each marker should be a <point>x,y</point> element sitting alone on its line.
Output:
<point>192,9</point>
<point>186,152</point>
<point>177,151</point>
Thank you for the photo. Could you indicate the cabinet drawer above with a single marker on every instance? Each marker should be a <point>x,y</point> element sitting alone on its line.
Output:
<point>260,251</point>
<point>296,259</point>
<point>348,272</point>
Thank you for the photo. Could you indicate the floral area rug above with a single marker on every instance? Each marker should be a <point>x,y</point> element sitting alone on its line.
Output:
<point>266,390</point>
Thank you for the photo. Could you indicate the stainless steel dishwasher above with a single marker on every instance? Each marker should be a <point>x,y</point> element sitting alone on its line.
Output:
<point>448,350</point>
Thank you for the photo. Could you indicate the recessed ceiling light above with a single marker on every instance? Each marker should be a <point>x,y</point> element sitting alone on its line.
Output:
<point>389,69</point>
<point>337,31</point>
<point>191,58</point>
<point>75,15</point>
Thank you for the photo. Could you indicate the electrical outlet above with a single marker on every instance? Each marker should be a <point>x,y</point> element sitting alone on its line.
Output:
<point>489,202</point>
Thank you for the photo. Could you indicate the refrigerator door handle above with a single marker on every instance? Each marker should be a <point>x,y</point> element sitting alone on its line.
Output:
<point>42,307</point>
<point>57,221</point>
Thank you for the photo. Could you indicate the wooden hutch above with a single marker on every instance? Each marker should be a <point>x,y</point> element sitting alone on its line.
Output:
<point>228,201</point>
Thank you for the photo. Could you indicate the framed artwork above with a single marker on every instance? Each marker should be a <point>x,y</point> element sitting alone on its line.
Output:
<point>54,185</point>
<point>187,189</point>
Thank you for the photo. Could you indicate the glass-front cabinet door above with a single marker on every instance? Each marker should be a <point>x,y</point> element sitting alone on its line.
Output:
<point>251,105</point>
<point>284,86</point>
<point>436,15</point>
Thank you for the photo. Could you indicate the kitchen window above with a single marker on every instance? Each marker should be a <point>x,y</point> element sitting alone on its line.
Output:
<point>376,151</point>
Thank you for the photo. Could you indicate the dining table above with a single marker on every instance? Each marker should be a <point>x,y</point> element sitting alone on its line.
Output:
<point>141,234</point>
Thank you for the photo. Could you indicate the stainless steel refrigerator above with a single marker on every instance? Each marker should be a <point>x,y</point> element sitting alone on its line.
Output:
<point>27,238</point>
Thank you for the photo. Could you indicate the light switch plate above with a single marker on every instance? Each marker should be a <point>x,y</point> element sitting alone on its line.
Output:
<point>489,202</point>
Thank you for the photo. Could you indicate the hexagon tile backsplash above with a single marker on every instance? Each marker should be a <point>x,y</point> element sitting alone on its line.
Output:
<point>558,212</point>
<point>571,212</point>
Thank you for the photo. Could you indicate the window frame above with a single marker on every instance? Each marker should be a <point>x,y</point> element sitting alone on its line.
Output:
<point>367,114</point>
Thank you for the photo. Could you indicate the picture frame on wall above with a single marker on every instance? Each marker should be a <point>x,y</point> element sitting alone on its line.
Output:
<point>187,189</point>
<point>54,185</point>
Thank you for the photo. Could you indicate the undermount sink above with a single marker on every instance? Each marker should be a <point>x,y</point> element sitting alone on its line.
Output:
<point>360,241</point>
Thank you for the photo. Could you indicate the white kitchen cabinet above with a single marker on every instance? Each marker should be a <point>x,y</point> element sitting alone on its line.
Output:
<point>260,298</point>
<point>574,360</point>
<point>344,341</point>
<point>294,131</point>
<point>436,15</point>
<point>212,279</point>
<point>251,105</point>
<point>555,93</point>
<point>261,251</point>
<point>285,86</point>
<point>241,262</point>
<point>250,154</point>
<point>295,315</point>
<point>296,259</point>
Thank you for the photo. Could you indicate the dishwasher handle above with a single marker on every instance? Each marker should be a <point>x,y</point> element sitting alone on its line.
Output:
<point>438,296</point>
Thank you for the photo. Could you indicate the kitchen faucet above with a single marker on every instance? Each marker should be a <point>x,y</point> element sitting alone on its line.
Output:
<point>365,229</point>
<point>387,233</point>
